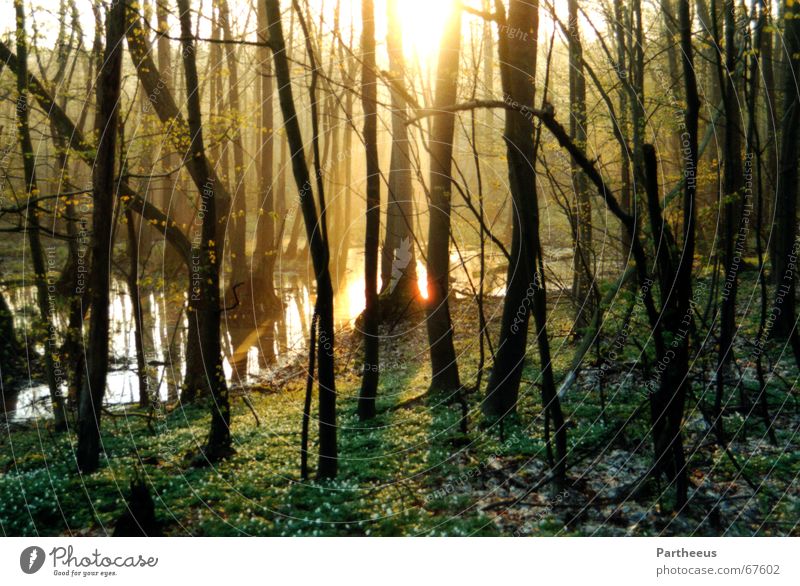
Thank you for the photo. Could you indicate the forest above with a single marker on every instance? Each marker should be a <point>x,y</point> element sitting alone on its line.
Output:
<point>399,268</point>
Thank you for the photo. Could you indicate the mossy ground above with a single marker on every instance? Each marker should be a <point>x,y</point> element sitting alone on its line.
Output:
<point>412,471</point>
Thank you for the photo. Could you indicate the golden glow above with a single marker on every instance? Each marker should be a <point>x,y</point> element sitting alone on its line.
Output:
<point>422,279</point>
<point>422,23</point>
<point>350,300</point>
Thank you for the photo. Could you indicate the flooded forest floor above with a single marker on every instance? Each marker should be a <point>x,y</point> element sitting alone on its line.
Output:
<point>413,470</point>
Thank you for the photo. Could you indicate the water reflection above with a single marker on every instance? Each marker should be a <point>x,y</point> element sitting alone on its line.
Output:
<point>254,345</point>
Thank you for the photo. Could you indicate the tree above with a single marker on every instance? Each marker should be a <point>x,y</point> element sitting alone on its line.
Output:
<point>33,228</point>
<point>12,366</point>
<point>206,281</point>
<point>237,213</point>
<point>668,401</point>
<point>320,256</point>
<point>621,67</point>
<point>582,228</point>
<point>167,186</point>
<point>72,352</point>
<point>134,291</point>
<point>785,231</point>
<point>370,373</point>
<point>73,136</point>
<point>103,195</point>
<point>444,365</point>
<point>398,261</point>
<point>197,380</point>
<point>733,243</point>
<point>633,80</point>
<point>525,286</point>
<point>266,237</point>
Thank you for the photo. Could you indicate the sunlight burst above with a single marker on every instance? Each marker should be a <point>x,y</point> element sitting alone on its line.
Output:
<point>422,279</point>
<point>422,23</point>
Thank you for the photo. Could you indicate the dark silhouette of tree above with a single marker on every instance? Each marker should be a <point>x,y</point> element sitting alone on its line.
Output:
<point>668,401</point>
<point>323,308</point>
<point>733,239</point>
<point>785,232</point>
<point>444,366</point>
<point>197,380</point>
<point>525,286</point>
<point>103,195</point>
<point>370,373</point>
<point>207,312</point>
<point>582,276</point>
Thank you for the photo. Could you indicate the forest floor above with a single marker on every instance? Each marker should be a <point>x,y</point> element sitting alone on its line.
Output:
<point>413,471</point>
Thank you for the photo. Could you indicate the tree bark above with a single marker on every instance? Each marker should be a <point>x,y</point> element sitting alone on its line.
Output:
<point>398,262</point>
<point>733,193</point>
<point>786,244</point>
<point>103,194</point>
<point>328,460</point>
<point>444,365</point>
<point>52,364</point>
<point>582,292</point>
<point>136,308</point>
<point>525,287</point>
<point>266,238</point>
<point>237,215</point>
<point>370,373</point>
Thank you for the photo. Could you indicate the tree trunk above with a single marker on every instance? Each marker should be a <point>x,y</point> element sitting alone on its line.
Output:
<point>52,364</point>
<point>636,90</point>
<point>209,253</point>
<point>103,193</point>
<point>525,287</point>
<point>488,63</point>
<point>370,373</point>
<point>72,348</point>
<point>264,256</point>
<point>786,244</point>
<point>11,353</point>
<point>626,198</point>
<point>347,149</point>
<point>772,113</point>
<point>760,39</point>
<point>136,308</point>
<point>733,183</point>
<point>667,402</point>
<point>582,293</point>
<point>440,328</point>
<point>198,380</point>
<point>328,461</point>
<point>237,214</point>
<point>398,262</point>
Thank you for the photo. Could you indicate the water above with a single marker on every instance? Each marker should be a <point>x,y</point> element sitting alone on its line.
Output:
<point>254,350</point>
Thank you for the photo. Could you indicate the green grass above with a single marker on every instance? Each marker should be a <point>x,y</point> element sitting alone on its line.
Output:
<point>411,471</point>
<point>386,470</point>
